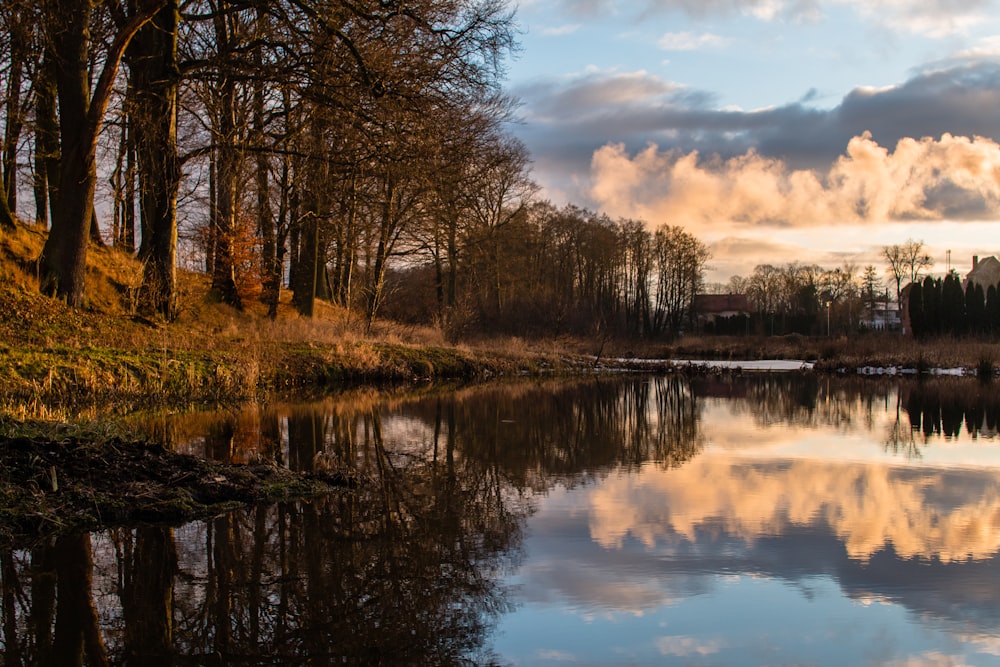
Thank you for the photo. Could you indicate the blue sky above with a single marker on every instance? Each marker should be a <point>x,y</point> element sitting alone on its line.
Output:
<point>774,130</point>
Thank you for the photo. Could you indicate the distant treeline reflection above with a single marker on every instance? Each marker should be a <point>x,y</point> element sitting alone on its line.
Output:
<point>523,428</point>
<point>947,407</point>
<point>544,428</point>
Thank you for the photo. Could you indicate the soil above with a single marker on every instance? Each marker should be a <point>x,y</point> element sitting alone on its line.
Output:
<point>50,487</point>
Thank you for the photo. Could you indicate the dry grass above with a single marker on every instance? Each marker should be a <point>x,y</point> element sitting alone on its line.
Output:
<point>51,355</point>
<point>876,350</point>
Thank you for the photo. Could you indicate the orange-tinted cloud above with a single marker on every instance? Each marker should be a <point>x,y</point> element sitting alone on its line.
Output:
<point>868,506</point>
<point>920,179</point>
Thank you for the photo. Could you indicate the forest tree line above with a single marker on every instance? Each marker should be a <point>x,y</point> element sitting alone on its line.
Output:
<point>351,151</point>
<point>552,271</point>
<point>941,306</point>
<point>812,300</point>
<point>806,299</point>
<point>299,139</point>
<point>329,146</point>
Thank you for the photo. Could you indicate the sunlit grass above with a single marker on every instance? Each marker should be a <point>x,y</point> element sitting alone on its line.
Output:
<point>105,353</point>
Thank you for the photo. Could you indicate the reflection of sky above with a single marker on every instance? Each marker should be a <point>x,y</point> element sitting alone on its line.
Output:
<point>743,621</point>
<point>777,545</point>
<point>854,440</point>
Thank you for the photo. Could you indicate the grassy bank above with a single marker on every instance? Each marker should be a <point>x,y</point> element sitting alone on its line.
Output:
<point>53,356</point>
<point>57,479</point>
<point>105,354</point>
<point>57,362</point>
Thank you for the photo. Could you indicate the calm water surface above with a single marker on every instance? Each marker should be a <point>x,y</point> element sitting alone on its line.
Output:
<point>771,520</point>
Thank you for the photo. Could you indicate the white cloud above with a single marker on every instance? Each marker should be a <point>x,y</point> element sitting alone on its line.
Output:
<point>930,659</point>
<point>935,20</point>
<point>687,646</point>
<point>562,30</point>
<point>985,48</point>
<point>556,656</point>
<point>766,10</point>
<point>689,41</point>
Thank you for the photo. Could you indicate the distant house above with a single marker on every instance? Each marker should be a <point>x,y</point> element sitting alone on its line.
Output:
<point>710,308</point>
<point>884,316</point>
<point>985,272</point>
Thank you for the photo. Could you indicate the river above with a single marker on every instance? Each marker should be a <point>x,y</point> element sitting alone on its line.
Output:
<point>773,519</point>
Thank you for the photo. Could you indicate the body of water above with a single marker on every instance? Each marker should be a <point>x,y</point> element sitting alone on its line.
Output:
<point>762,520</point>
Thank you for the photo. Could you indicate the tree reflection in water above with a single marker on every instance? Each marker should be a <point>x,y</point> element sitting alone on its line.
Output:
<point>404,568</point>
<point>400,572</point>
<point>947,406</point>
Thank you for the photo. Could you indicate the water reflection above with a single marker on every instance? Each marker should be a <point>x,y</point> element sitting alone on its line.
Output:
<point>407,575</point>
<point>494,520</point>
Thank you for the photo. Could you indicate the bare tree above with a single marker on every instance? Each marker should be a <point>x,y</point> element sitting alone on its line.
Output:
<point>679,260</point>
<point>906,262</point>
<point>63,263</point>
<point>500,191</point>
<point>17,26</point>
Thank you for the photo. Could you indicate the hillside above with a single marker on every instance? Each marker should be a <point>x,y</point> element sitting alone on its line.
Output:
<point>51,355</point>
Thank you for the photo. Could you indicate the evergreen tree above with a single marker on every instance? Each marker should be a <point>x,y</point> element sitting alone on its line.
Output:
<point>993,310</point>
<point>980,305</point>
<point>932,306</point>
<point>953,308</point>
<point>975,309</point>
<point>916,304</point>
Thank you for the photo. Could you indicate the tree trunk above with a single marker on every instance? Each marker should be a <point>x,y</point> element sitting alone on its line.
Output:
<point>64,258</point>
<point>63,263</point>
<point>346,245</point>
<point>46,139</point>
<point>6,215</point>
<point>265,219</point>
<point>309,281</point>
<point>387,231</point>
<point>123,179</point>
<point>213,207</point>
<point>223,270</point>
<point>128,220</point>
<point>155,74</point>
<point>95,226</point>
<point>227,172</point>
<point>269,240</point>
<point>283,228</point>
<point>15,121</point>
<point>452,292</point>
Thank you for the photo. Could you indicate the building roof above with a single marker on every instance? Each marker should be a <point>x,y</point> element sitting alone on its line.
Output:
<point>984,272</point>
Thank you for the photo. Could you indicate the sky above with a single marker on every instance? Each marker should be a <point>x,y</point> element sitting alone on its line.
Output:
<point>776,131</point>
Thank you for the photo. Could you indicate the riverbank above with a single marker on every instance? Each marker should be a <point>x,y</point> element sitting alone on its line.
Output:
<point>60,479</point>
<point>843,354</point>
<point>55,360</point>
<point>58,364</point>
